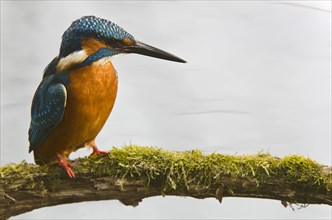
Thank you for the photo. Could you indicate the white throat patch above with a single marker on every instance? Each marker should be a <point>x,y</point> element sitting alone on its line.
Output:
<point>71,60</point>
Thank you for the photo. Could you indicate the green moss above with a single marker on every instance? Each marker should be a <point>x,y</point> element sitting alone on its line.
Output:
<point>22,170</point>
<point>23,175</point>
<point>179,169</point>
<point>175,170</point>
<point>294,165</point>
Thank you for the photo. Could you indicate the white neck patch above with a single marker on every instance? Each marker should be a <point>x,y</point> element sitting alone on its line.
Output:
<point>70,60</point>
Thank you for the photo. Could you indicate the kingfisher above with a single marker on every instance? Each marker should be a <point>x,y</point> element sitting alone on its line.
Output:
<point>78,89</point>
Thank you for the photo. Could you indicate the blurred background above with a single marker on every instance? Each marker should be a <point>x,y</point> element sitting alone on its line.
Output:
<point>258,78</point>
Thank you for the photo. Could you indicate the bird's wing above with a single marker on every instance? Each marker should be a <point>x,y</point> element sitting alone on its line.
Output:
<point>51,68</point>
<point>47,110</point>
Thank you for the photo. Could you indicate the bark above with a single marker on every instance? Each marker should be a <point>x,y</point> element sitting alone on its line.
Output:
<point>25,187</point>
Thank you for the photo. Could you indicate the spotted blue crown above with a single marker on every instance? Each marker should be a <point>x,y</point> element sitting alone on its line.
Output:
<point>90,27</point>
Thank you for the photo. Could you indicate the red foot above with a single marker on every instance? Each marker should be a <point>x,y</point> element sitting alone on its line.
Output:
<point>95,149</point>
<point>66,166</point>
<point>98,152</point>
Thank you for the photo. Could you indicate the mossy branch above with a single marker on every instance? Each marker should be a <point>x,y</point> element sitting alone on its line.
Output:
<point>132,173</point>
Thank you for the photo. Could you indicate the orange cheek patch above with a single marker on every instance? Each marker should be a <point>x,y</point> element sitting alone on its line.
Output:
<point>91,46</point>
<point>127,41</point>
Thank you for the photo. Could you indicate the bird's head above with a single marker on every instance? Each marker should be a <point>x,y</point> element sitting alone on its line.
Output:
<point>90,38</point>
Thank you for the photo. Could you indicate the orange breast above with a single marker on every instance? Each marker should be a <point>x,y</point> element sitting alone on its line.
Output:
<point>91,94</point>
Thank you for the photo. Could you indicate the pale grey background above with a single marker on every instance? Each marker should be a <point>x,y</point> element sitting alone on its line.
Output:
<point>258,77</point>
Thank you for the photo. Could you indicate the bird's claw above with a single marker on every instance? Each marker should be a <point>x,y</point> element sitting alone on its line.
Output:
<point>66,166</point>
<point>98,152</point>
<point>95,150</point>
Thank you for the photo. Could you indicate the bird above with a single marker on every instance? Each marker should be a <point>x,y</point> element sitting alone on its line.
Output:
<point>78,89</point>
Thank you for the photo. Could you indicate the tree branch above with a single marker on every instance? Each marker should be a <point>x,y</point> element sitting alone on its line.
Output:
<point>132,173</point>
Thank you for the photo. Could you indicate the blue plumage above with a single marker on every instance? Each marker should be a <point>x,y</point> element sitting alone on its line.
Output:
<point>90,27</point>
<point>101,53</point>
<point>47,109</point>
<point>50,69</point>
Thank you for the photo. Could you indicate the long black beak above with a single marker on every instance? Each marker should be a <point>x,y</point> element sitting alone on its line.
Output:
<point>147,50</point>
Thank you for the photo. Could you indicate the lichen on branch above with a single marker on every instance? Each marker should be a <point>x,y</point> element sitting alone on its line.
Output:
<point>138,172</point>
